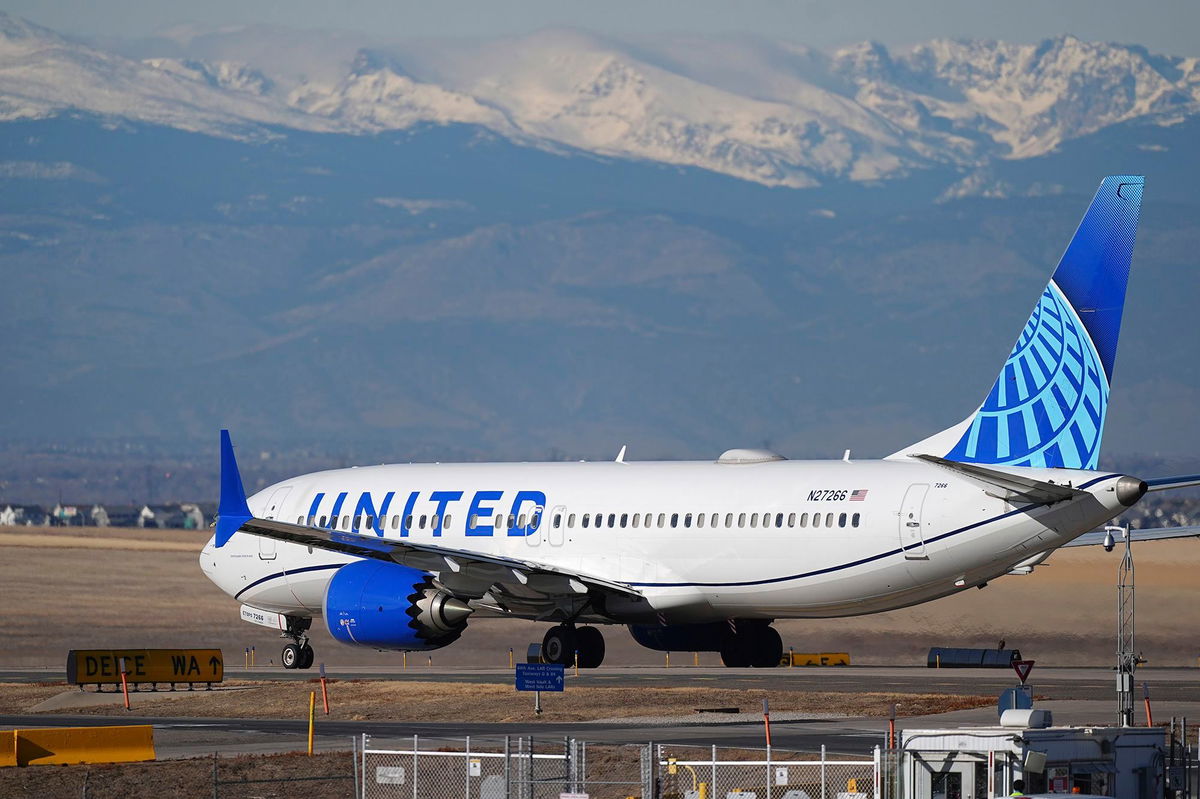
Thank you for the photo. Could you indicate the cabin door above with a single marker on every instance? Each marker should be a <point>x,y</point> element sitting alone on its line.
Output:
<point>912,527</point>
<point>266,546</point>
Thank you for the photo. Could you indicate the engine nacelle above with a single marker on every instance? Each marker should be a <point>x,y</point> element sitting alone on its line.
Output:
<point>388,606</point>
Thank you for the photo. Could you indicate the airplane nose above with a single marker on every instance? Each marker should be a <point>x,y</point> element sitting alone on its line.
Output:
<point>1130,490</point>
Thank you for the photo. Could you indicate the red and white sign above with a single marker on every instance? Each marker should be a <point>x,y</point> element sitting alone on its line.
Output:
<point>1022,668</point>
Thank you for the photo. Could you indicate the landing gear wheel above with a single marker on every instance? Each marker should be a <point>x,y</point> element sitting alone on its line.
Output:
<point>767,648</point>
<point>559,645</point>
<point>734,652</point>
<point>290,656</point>
<point>307,656</point>
<point>590,642</point>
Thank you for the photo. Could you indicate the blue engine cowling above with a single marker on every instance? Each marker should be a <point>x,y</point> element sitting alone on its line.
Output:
<point>388,606</point>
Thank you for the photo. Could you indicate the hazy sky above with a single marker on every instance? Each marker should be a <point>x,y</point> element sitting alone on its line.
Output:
<point>1166,26</point>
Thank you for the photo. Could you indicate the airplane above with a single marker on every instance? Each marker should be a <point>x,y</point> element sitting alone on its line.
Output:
<point>706,555</point>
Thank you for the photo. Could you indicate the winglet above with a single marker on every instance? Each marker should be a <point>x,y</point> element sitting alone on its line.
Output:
<point>232,512</point>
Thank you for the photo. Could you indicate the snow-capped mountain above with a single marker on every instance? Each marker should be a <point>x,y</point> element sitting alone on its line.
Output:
<point>765,111</point>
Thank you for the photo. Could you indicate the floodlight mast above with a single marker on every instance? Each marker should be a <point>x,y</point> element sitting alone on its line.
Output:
<point>1127,658</point>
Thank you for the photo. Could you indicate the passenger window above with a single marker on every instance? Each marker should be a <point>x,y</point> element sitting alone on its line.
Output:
<point>854,520</point>
<point>473,521</point>
<point>687,520</point>
<point>674,519</point>
<point>299,520</point>
<point>345,522</point>
<point>816,520</point>
<point>624,519</point>
<point>729,520</point>
<point>829,520</point>
<point>512,521</point>
<point>842,520</point>
<point>571,520</point>
<point>433,522</point>
<point>712,522</point>
<point>586,516</point>
<point>557,520</point>
<point>371,522</point>
<point>779,520</point>
<point>499,521</point>
<point>753,520</point>
<point>635,519</point>
<point>521,521</point>
<point>421,522</point>
<point>662,520</point>
<point>408,522</point>
<point>791,520</point>
<point>612,520</point>
<point>323,520</point>
<point>699,519</point>
<point>395,522</point>
<point>741,520</point>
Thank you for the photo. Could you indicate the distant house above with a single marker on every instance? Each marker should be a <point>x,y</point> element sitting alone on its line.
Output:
<point>8,516</point>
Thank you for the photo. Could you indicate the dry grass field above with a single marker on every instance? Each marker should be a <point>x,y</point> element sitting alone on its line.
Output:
<point>80,588</point>
<point>372,700</point>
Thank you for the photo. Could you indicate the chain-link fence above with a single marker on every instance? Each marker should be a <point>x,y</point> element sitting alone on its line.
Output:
<point>525,768</point>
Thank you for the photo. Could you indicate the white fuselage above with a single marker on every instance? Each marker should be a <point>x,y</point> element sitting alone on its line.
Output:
<point>690,536</point>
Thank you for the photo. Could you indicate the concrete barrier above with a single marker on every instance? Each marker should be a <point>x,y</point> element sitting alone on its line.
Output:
<point>8,748</point>
<point>815,659</point>
<point>71,745</point>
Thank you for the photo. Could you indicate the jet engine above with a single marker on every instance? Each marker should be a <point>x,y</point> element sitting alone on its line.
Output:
<point>388,606</point>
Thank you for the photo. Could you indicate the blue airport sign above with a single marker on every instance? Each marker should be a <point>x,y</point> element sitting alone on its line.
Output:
<point>539,676</point>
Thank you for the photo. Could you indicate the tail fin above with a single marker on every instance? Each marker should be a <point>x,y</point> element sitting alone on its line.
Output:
<point>1047,407</point>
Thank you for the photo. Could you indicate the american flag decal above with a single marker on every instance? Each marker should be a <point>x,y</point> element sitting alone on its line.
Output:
<point>858,495</point>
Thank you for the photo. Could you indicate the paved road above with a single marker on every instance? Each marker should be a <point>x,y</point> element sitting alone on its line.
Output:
<point>1096,683</point>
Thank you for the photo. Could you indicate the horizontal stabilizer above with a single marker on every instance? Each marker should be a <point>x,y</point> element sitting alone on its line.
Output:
<point>1102,537</point>
<point>1005,485</point>
<point>1167,483</point>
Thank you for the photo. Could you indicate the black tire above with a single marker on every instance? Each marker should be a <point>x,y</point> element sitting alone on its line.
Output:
<point>559,645</point>
<point>591,647</point>
<point>767,648</point>
<point>290,657</point>
<point>735,652</point>
<point>307,656</point>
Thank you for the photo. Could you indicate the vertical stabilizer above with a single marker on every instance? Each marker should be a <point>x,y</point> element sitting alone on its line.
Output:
<point>1048,405</point>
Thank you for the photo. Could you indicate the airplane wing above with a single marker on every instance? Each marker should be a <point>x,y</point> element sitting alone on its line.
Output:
<point>1005,485</point>
<point>1097,537</point>
<point>505,585</point>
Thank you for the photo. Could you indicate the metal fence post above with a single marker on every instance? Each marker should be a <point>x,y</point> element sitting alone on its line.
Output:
<point>354,761</point>
<point>416,746</point>
<point>648,770</point>
<point>824,789</point>
<point>467,765</point>
<point>878,776</point>
<point>363,753</point>
<point>712,791</point>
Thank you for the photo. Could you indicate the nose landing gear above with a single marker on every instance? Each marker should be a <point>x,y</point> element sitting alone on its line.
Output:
<point>298,654</point>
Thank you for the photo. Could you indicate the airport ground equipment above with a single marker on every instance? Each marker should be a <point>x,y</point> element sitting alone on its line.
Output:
<point>145,666</point>
<point>815,659</point>
<point>944,657</point>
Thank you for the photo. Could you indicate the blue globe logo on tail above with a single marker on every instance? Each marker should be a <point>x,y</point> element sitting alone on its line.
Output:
<point>1047,407</point>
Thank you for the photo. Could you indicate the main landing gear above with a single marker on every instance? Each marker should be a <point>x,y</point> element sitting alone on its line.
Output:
<point>564,640</point>
<point>749,644</point>
<point>298,654</point>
